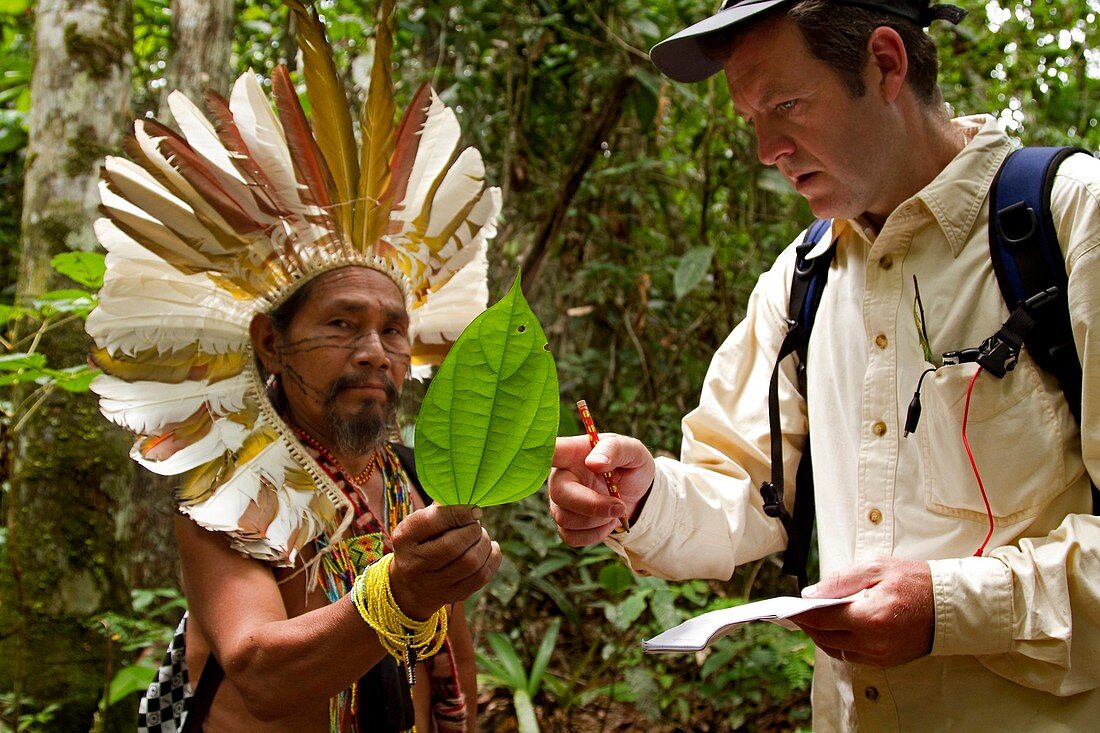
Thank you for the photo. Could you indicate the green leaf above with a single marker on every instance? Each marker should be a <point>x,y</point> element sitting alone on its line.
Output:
<point>129,680</point>
<point>542,657</point>
<point>79,302</point>
<point>485,433</point>
<point>75,379</point>
<point>86,268</point>
<point>13,7</point>
<point>694,266</point>
<point>9,313</point>
<point>616,578</point>
<point>622,615</point>
<point>526,720</point>
<point>18,361</point>
<point>514,674</point>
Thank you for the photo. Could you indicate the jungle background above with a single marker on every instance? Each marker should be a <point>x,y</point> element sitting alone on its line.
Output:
<point>641,219</point>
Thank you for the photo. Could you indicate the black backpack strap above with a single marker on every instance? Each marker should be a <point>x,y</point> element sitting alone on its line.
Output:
<point>1031,273</point>
<point>809,280</point>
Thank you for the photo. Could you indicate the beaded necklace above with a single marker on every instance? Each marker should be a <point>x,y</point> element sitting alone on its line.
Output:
<point>359,479</point>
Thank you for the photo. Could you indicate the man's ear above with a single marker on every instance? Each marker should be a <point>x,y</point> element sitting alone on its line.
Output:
<point>262,332</point>
<point>887,63</point>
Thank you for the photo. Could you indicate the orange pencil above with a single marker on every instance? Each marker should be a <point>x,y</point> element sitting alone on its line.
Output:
<point>594,438</point>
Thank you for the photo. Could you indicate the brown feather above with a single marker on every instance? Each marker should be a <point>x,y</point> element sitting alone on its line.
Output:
<point>152,237</point>
<point>329,107</point>
<point>406,146</point>
<point>309,163</point>
<point>262,187</point>
<point>241,214</point>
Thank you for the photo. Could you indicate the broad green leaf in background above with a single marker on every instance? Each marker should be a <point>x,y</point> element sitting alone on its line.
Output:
<point>485,433</point>
<point>86,268</point>
<point>129,680</point>
<point>693,267</point>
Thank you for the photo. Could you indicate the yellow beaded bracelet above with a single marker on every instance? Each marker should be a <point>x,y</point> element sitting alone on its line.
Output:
<point>405,639</point>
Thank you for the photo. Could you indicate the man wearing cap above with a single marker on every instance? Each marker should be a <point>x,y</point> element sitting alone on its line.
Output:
<point>947,631</point>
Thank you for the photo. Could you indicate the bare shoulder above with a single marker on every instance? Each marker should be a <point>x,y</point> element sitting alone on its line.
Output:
<point>226,591</point>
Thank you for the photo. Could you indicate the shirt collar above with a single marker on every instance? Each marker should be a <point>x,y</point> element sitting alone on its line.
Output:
<point>956,196</point>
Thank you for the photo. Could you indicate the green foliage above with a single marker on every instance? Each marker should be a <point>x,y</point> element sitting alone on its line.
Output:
<point>37,721</point>
<point>16,30</point>
<point>147,630</point>
<point>598,670</point>
<point>485,433</point>
<point>506,669</point>
<point>21,362</point>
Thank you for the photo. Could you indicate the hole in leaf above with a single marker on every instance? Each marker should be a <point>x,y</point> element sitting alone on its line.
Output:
<point>546,347</point>
<point>522,327</point>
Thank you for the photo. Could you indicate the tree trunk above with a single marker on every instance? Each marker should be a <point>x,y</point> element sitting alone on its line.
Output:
<point>202,38</point>
<point>70,481</point>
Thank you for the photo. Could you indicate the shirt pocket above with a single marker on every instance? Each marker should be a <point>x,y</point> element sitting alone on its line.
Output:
<point>1014,435</point>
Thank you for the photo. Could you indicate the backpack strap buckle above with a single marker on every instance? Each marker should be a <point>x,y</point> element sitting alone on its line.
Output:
<point>1000,353</point>
<point>773,500</point>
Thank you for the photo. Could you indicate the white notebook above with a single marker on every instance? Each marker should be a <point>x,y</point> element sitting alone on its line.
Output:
<point>696,633</point>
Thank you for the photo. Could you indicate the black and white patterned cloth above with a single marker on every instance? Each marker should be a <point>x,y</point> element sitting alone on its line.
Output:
<point>164,707</point>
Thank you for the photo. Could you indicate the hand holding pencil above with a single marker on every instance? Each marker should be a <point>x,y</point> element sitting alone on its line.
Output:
<point>582,501</point>
<point>594,439</point>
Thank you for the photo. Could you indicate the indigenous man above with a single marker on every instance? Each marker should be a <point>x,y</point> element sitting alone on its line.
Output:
<point>842,96</point>
<point>265,299</point>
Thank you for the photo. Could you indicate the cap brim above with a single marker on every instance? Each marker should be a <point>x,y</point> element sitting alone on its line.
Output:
<point>681,58</point>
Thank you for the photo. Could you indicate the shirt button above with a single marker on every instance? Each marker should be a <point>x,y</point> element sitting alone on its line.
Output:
<point>879,428</point>
<point>871,693</point>
<point>886,262</point>
<point>881,341</point>
<point>875,516</point>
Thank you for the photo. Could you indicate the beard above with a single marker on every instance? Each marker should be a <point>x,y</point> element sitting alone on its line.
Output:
<point>367,428</point>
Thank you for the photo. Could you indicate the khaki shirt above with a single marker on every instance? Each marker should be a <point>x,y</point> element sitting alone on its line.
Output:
<point>1017,637</point>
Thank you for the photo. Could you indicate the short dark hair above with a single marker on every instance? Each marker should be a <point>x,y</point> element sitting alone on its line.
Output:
<point>837,34</point>
<point>284,314</point>
<point>281,318</point>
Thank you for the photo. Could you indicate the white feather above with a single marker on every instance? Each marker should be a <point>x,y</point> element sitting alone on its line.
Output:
<point>450,309</point>
<point>149,146</point>
<point>223,511</point>
<point>146,194</point>
<point>461,185</point>
<point>146,407</point>
<point>479,227</point>
<point>263,135</point>
<point>150,229</point>
<point>225,436</point>
<point>439,138</point>
<point>120,247</point>
<point>200,134</point>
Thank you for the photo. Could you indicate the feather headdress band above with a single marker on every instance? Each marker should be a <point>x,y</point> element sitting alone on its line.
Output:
<point>209,226</point>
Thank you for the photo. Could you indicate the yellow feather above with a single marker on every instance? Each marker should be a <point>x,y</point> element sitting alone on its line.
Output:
<point>170,367</point>
<point>331,117</point>
<point>376,125</point>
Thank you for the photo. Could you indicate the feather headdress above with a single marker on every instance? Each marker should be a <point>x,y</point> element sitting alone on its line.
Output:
<point>208,226</point>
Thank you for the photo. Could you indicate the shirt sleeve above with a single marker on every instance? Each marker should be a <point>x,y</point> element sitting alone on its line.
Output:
<point>704,515</point>
<point>1031,611</point>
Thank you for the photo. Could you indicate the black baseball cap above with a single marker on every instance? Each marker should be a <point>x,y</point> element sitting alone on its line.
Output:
<point>681,58</point>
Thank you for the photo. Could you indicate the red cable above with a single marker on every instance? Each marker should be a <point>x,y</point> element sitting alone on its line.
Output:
<point>973,465</point>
